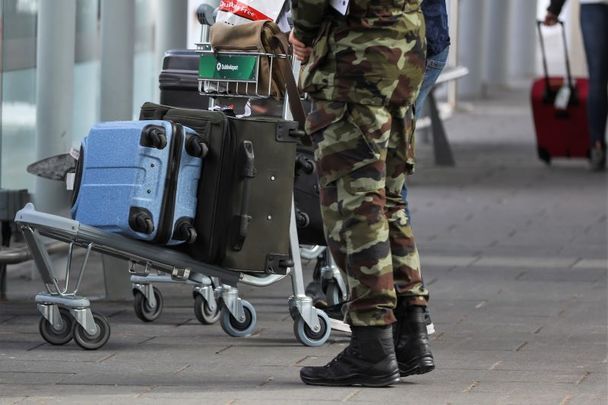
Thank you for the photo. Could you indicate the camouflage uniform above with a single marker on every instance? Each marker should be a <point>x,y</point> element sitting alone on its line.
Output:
<point>363,75</point>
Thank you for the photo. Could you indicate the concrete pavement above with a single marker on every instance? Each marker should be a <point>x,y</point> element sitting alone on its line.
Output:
<point>514,253</point>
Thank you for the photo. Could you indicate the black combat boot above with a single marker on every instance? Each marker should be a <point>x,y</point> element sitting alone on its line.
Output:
<point>412,345</point>
<point>369,360</point>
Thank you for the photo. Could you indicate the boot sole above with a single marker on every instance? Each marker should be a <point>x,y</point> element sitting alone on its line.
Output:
<point>415,369</point>
<point>357,380</point>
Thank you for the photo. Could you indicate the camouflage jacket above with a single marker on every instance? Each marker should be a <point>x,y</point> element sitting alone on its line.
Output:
<point>374,55</point>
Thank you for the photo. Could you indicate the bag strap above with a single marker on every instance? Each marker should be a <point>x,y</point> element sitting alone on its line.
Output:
<point>280,45</point>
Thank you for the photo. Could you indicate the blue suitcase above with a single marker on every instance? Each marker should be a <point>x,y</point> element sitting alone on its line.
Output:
<point>140,179</point>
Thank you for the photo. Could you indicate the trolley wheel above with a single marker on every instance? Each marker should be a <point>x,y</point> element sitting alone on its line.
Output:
<point>93,342</point>
<point>233,326</point>
<point>55,336</point>
<point>143,309</point>
<point>307,336</point>
<point>203,313</point>
<point>544,155</point>
<point>333,293</point>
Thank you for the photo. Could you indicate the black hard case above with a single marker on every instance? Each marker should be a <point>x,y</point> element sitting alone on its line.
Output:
<point>307,201</point>
<point>178,80</point>
<point>244,214</point>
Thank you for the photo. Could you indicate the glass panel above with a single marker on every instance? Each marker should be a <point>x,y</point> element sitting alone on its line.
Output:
<point>18,36</point>
<point>145,76</point>
<point>86,70</point>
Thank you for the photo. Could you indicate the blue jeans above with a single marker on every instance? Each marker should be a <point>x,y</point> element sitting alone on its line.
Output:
<point>594,25</point>
<point>434,66</point>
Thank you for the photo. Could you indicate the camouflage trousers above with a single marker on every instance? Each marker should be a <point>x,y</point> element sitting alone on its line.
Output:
<point>362,156</point>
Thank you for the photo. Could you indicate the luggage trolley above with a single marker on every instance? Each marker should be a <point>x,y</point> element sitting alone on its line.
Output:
<point>66,315</point>
<point>236,74</point>
<point>222,85</point>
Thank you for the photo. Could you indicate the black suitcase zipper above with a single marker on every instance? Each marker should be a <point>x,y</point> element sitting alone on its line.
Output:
<point>167,210</point>
<point>220,213</point>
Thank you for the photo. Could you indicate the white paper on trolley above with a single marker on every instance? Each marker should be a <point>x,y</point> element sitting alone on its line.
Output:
<point>235,12</point>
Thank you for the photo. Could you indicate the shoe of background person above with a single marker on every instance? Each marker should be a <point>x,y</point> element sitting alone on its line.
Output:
<point>315,291</point>
<point>412,345</point>
<point>369,360</point>
<point>598,157</point>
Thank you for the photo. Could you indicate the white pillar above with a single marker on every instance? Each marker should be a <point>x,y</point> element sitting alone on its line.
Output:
<point>171,28</point>
<point>523,39</point>
<point>117,53</point>
<point>496,33</point>
<point>117,50</point>
<point>54,94</point>
<point>575,45</point>
<point>470,46</point>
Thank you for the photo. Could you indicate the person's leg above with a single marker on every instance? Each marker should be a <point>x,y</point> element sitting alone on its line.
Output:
<point>405,259</point>
<point>410,331</point>
<point>350,152</point>
<point>353,210</point>
<point>434,67</point>
<point>594,25</point>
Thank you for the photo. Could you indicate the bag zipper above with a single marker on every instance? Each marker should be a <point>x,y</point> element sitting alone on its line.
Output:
<point>167,211</point>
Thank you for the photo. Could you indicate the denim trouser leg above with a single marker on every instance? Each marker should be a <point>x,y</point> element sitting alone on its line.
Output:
<point>594,25</point>
<point>434,66</point>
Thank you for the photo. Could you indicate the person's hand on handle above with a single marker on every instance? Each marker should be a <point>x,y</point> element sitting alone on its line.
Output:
<point>300,50</point>
<point>550,19</point>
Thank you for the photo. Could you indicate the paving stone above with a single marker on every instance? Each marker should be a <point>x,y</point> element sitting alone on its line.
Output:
<point>515,258</point>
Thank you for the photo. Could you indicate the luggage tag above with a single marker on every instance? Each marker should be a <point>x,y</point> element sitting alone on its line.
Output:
<point>341,6</point>
<point>75,153</point>
<point>562,99</point>
<point>70,179</point>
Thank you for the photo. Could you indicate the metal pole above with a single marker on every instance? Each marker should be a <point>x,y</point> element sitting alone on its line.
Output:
<point>171,29</point>
<point>453,60</point>
<point>522,46</point>
<point>496,32</point>
<point>470,46</point>
<point>54,94</point>
<point>117,49</point>
<point>117,53</point>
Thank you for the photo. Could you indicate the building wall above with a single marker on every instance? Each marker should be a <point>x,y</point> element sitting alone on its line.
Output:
<point>18,19</point>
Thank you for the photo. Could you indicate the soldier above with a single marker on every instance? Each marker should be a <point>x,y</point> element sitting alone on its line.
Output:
<point>363,72</point>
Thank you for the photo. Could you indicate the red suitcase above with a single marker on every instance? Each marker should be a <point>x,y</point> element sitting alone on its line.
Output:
<point>560,132</point>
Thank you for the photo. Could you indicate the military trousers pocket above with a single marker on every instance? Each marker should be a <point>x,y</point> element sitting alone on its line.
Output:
<point>343,140</point>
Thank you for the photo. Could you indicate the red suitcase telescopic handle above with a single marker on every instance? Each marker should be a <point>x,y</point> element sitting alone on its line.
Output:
<point>539,23</point>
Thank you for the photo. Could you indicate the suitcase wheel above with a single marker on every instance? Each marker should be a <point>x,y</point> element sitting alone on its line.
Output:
<point>302,219</point>
<point>153,136</point>
<point>196,147</point>
<point>544,155</point>
<point>140,220</point>
<point>184,230</point>
<point>305,165</point>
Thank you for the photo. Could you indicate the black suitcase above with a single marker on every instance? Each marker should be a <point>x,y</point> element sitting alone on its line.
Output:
<point>306,196</point>
<point>178,80</point>
<point>245,189</point>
